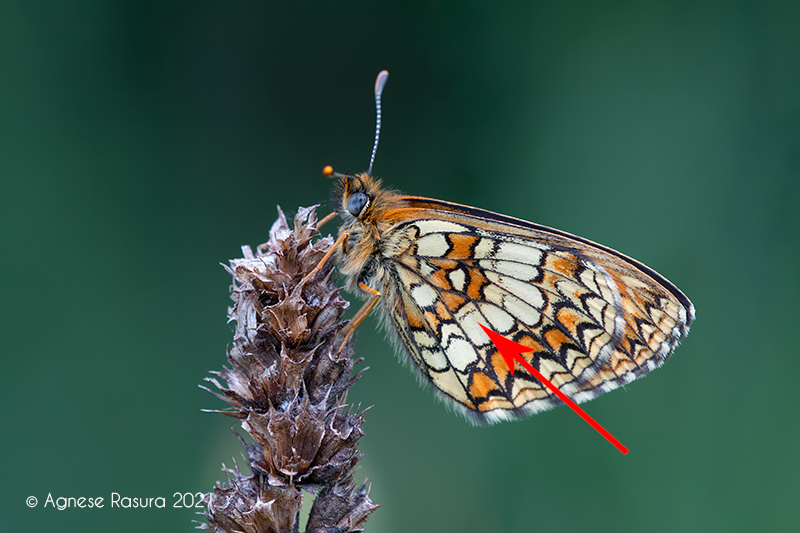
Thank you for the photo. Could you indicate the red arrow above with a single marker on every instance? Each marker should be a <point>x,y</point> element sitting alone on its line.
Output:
<point>511,350</point>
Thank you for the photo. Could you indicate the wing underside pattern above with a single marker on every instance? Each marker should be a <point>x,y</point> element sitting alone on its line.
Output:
<point>594,320</point>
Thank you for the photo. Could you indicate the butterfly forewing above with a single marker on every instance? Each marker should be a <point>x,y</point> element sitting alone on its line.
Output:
<point>594,318</point>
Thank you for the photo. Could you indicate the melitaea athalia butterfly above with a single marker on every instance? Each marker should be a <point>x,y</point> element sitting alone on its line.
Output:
<point>595,318</point>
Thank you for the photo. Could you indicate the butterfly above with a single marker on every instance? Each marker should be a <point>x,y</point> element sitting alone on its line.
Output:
<point>436,271</point>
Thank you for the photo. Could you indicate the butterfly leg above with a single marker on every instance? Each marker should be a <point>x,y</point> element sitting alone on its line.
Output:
<point>341,241</point>
<point>361,314</point>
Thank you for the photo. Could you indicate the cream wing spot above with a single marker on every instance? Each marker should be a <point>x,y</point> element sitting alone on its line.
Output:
<point>449,383</point>
<point>432,245</point>
<point>554,372</point>
<point>468,317</point>
<point>521,253</point>
<point>499,320</point>
<point>520,271</point>
<point>520,384</point>
<point>570,290</point>
<point>424,339</point>
<point>457,279</point>
<point>596,308</point>
<point>593,339</point>
<point>526,292</point>
<point>424,295</point>
<point>460,353</point>
<point>579,365</point>
<point>522,311</point>
<point>606,284</point>
<point>435,359</point>
<point>484,248</point>
<point>450,331</point>
<point>589,279</point>
<point>576,360</point>
<point>438,226</point>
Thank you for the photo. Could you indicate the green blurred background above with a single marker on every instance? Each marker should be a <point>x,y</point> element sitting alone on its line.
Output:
<point>142,142</point>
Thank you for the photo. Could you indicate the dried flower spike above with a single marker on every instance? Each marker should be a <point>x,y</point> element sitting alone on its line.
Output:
<point>287,384</point>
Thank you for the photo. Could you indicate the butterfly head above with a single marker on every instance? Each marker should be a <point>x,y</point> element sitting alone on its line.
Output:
<point>362,205</point>
<point>360,200</point>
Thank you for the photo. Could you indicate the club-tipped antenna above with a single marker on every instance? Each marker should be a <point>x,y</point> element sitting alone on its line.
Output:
<point>380,83</point>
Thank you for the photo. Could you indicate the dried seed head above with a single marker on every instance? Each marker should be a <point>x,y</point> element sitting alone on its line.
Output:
<point>251,506</point>
<point>287,382</point>
<point>342,507</point>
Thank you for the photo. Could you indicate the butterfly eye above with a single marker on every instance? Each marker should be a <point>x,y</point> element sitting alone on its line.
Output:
<point>356,203</point>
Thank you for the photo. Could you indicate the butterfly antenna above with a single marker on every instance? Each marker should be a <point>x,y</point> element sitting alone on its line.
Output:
<point>380,83</point>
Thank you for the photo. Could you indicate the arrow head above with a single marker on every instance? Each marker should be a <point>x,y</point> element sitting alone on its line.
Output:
<point>509,349</point>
